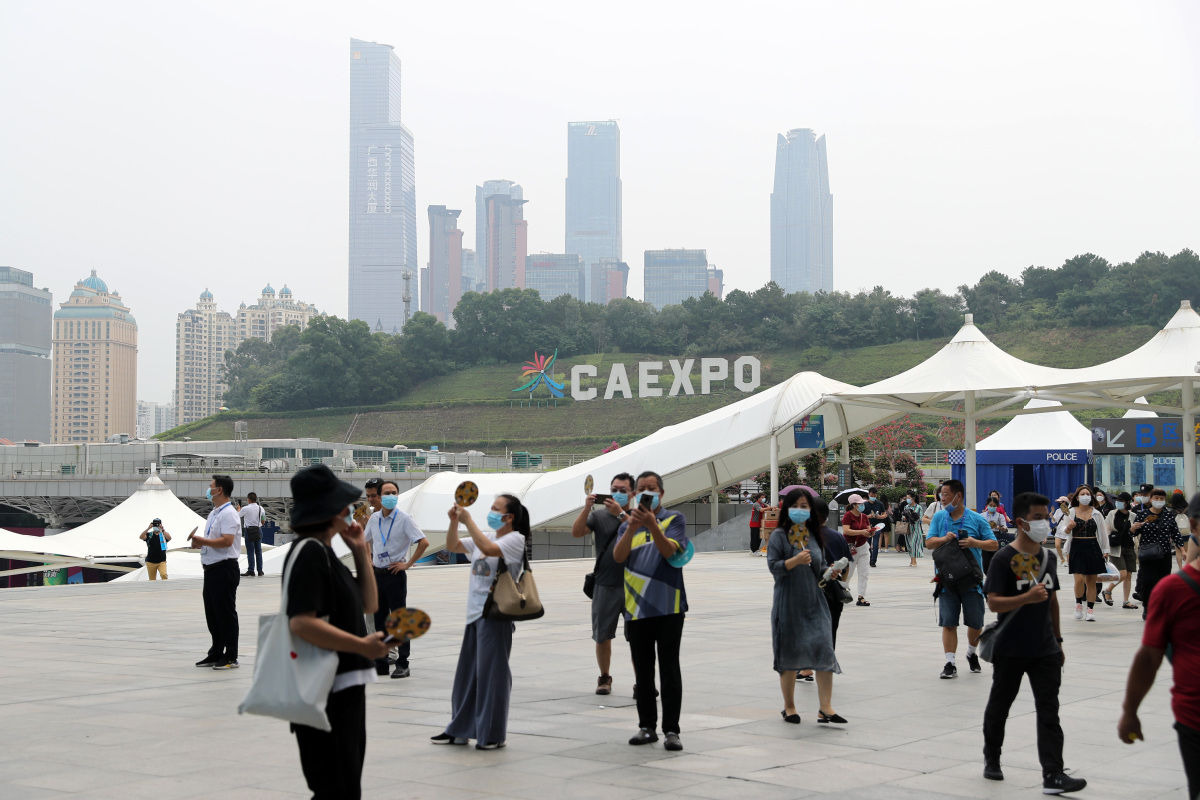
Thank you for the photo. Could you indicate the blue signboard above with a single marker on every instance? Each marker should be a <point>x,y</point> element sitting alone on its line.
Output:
<point>810,432</point>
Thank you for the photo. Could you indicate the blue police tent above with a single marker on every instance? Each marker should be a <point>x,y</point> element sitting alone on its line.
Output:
<point>1045,453</point>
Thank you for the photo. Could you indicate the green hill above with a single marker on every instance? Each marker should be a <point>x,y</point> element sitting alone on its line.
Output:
<point>476,408</point>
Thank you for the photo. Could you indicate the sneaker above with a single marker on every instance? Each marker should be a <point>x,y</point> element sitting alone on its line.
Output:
<point>401,672</point>
<point>207,661</point>
<point>604,684</point>
<point>992,771</point>
<point>262,574</point>
<point>492,746</point>
<point>1091,616</point>
<point>226,664</point>
<point>1078,611</point>
<point>445,738</point>
<point>644,736</point>
<point>1060,783</point>
<point>949,671</point>
<point>973,662</point>
<point>672,742</point>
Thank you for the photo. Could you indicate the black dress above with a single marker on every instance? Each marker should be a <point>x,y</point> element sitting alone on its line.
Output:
<point>1085,558</point>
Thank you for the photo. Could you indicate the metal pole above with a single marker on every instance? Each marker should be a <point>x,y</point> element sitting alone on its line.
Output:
<point>774,470</point>
<point>846,463</point>
<point>969,500</point>
<point>1189,439</point>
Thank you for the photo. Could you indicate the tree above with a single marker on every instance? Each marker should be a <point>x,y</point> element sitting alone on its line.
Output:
<point>888,441</point>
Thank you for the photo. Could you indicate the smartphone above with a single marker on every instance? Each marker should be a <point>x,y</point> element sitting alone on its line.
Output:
<point>644,502</point>
<point>600,498</point>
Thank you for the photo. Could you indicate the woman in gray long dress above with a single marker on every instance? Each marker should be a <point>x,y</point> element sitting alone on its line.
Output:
<point>801,629</point>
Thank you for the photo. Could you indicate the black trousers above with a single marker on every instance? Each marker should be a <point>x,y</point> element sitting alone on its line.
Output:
<point>333,761</point>
<point>755,539</point>
<point>392,590</point>
<point>835,614</point>
<point>1150,572</point>
<point>1045,677</point>
<point>220,608</point>
<point>1189,748</point>
<point>645,637</point>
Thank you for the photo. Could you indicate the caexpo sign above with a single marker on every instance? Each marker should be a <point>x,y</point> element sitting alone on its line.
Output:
<point>652,378</point>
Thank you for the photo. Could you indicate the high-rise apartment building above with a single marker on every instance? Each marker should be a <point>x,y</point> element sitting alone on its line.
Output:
<point>716,282</point>
<point>95,365</point>
<point>609,280</point>
<point>501,236</point>
<point>801,214</point>
<point>442,281</point>
<point>154,418</point>
<point>555,274</point>
<point>593,229</point>
<point>672,276</point>
<point>205,333</point>
<point>25,327</point>
<point>383,201</point>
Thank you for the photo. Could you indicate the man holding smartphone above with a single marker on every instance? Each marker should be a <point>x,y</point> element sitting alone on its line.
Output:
<point>608,593</point>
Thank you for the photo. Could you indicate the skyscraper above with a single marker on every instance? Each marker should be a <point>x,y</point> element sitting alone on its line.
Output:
<point>25,327</point>
<point>95,365</point>
<point>801,214</point>
<point>672,276</point>
<point>501,236</point>
<point>594,192</point>
<point>383,201</point>
<point>555,274</point>
<point>609,279</point>
<point>441,285</point>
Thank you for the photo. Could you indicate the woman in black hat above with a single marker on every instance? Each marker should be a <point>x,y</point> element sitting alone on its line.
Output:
<point>325,607</point>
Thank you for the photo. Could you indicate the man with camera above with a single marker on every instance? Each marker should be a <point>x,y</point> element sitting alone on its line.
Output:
<point>156,537</point>
<point>608,592</point>
<point>957,526</point>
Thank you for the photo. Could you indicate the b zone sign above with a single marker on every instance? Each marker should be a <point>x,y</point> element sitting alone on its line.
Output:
<point>670,379</point>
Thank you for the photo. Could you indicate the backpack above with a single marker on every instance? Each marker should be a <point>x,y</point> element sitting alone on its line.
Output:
<point>955,568</point>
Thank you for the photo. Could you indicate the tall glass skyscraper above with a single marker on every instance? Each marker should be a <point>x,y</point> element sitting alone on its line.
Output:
<point>594,193</point>
<point>672,276</point>
<point>383,199</point>
<point>801,214</point>
<point>501,236</point>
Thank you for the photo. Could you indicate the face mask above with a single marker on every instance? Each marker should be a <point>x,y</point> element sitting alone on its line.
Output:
<point>1120,505</point>
<point>861,507</point>
<point>1158,503</point>
<point>1099,499</point>
<point>1138,499</point>
<point>1085,499</point>
<point>348,519</point>
<point>495,520</point>
<point>620,498</point>
<point>799,516</point>
<point>389,501</point>
<point>208,493</point>
<point>1039,529</point>
<point>653,499</point>
<point>949,508</point>
<point>992,506</point>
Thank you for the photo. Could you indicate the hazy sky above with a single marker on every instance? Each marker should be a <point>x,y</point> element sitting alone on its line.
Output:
<point>175,146</point>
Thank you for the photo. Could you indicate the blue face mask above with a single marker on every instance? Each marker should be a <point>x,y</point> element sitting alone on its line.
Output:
<point>208,494</point>
<point>620,498</point>
<point>495,520</point>
<point>389,501</point>
<point>799,516</point>
<point>861,507</point>
<point>949,508</point>
<point>653,499</point>
<point>1120,505</point>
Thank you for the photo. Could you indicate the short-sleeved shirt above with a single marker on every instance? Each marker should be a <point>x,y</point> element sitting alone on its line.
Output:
<point>857,522</point>
<point>221,521</point>
<point>156,546</point>
<point>1030,634</point>
<point>252,515</point>
<point>605,526</point>
<point>971,525</point>
<point>1163,530</point>
<point>654,588</point>
<point>1173,618</point>
<point>320,583</point>
<point>483,568</point>
<point>391,537</point>
<point>878,506</point>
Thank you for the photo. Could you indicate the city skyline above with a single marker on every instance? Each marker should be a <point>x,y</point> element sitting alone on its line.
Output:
<point>946,147</point>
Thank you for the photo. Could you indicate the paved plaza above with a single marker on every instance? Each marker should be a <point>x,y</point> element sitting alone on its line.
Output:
<point>99,698</point>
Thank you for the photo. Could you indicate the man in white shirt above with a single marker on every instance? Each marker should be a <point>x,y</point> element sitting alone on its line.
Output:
<point>219,550</point>
<point>390,535</point>
<point>252,520</point>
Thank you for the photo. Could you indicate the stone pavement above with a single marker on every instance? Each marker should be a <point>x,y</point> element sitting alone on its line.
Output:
<point>99,698</point>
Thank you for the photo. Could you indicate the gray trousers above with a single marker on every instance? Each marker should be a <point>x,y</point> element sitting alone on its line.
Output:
<point>482,683</point>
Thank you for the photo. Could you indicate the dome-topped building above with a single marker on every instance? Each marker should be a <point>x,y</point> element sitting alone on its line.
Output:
<point>268,291</point>
<point>206,295</point>
<point>94,282</point>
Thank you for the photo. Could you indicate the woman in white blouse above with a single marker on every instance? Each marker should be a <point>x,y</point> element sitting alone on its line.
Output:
<point>1082,542</point>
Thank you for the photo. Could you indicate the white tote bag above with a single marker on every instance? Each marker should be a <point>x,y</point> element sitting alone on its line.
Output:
<point>292,677</point>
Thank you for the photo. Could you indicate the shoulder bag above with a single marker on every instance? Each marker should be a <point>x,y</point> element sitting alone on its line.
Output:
<point>292,677</point>
<point>589,580</point>
<point>991,631</point>
<point>513,600</point>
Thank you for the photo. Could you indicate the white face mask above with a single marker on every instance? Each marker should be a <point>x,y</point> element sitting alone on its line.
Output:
<point>1085,499</point>
<point>1039,529</point>
<point>1158,503</point>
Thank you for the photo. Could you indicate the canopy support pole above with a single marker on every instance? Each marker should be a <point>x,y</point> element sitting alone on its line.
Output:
<point>969,500</point>
<point>774,469</point>
<point>714,517</point>
<point>1189,438</point>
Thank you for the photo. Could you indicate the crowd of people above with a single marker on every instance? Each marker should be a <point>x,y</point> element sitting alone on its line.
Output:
<point>641,549</point>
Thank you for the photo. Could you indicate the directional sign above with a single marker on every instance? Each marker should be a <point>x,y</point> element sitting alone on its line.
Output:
<point>1139,436</point>
<point>809,432</point>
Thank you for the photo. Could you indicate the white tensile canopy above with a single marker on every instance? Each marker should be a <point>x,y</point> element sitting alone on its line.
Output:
<point>111,537</point>
<point>1052,430</point>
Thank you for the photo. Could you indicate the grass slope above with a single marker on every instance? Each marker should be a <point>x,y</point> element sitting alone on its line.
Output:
<point>471,409</point>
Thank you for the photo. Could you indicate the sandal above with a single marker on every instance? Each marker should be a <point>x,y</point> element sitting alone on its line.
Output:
<point>1108,601</point>
<point>792,718</point>
<point>1128,604</point>
<point>824,718</point>
<point>862,602</point>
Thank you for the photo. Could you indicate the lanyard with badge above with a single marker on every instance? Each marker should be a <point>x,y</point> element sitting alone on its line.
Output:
<point>211,519</point>
<point>384,556</point>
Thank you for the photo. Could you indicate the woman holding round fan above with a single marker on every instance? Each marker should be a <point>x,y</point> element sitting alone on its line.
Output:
<point>483,680</point>
<point>801,628</point>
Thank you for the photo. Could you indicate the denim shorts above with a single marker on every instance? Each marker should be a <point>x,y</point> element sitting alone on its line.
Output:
<point>951,601</point>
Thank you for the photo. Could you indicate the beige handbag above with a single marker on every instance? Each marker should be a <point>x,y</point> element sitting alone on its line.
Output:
<point>511,600</point>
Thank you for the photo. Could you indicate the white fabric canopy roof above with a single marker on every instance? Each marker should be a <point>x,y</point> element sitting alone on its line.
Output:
<point>1137,413</point>
<point>1050,430</point>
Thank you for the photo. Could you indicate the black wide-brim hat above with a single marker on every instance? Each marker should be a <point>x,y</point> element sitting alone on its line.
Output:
<point>318,495</point>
